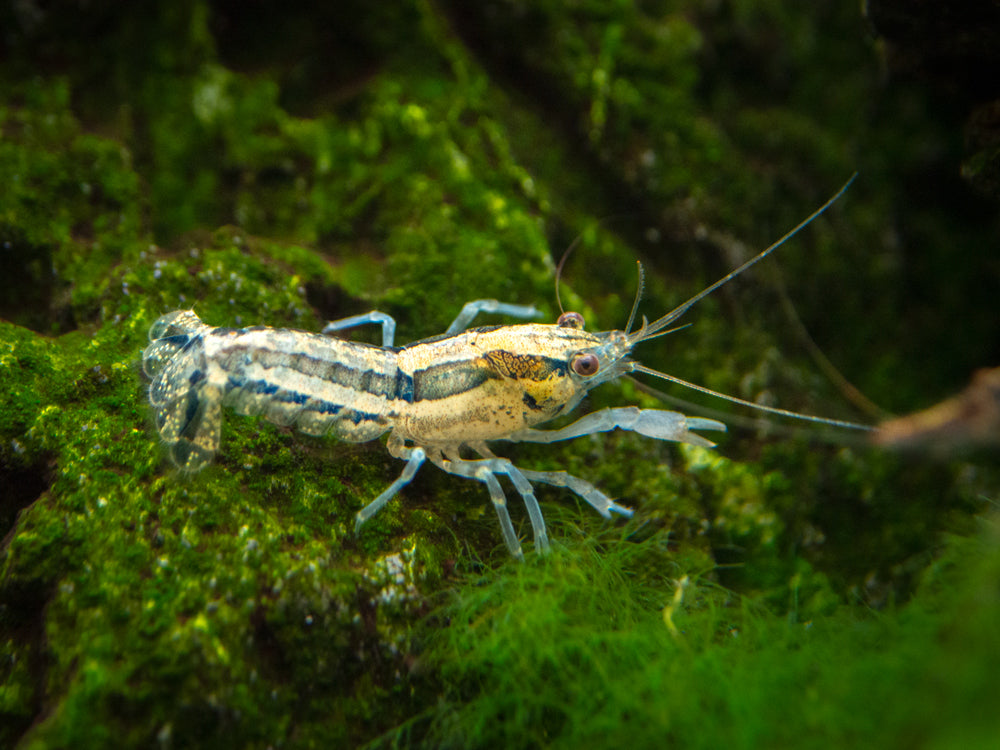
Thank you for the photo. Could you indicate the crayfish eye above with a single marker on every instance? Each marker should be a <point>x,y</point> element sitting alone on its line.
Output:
<point>570,320</point>
<point>585,364</point>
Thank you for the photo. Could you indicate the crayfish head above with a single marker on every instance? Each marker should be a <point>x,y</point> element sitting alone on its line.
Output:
<point>595,358</point>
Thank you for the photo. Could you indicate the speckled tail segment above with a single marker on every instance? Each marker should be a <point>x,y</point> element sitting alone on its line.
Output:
<point>318,384</point>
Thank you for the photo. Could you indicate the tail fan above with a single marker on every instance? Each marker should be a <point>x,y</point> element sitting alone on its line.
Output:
<point>188,408</point>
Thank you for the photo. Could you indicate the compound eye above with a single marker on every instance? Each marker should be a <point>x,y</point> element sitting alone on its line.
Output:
<point>570,320</point>
<point>585,364</point>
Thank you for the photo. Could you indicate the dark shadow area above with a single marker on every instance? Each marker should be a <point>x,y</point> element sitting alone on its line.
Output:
<point>29,295</point>
<point>22,620</point>
<point>338,46</point>
<point>21,487</point>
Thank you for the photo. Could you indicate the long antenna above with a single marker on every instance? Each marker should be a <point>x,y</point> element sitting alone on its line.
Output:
<point>671,316</point>
<point>747,421</point>
<point>760,407</point>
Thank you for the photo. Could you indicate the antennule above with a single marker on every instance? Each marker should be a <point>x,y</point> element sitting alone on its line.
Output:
<point>638,297</point>
<point>671,316</point>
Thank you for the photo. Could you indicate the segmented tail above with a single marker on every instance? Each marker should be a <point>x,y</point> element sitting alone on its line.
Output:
<point>188,408</point>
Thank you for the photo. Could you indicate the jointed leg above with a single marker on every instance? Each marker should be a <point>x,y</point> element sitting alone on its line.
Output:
<point>485,470</point>
<point>414,458</point>
<point>585,490</point>
<point>386,321</point>
<point>597,499</point>
<point>654,423</point>
<point>472,309</point>
<point>499,500</point>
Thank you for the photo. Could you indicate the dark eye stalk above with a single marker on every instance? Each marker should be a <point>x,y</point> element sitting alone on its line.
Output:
<point>585,364</point>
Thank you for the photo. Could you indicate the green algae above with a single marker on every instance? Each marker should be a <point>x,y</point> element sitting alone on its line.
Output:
<point>238,608</point>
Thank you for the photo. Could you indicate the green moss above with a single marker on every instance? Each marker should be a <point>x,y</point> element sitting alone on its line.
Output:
<point>574,651</point>
<point>71,207</point>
